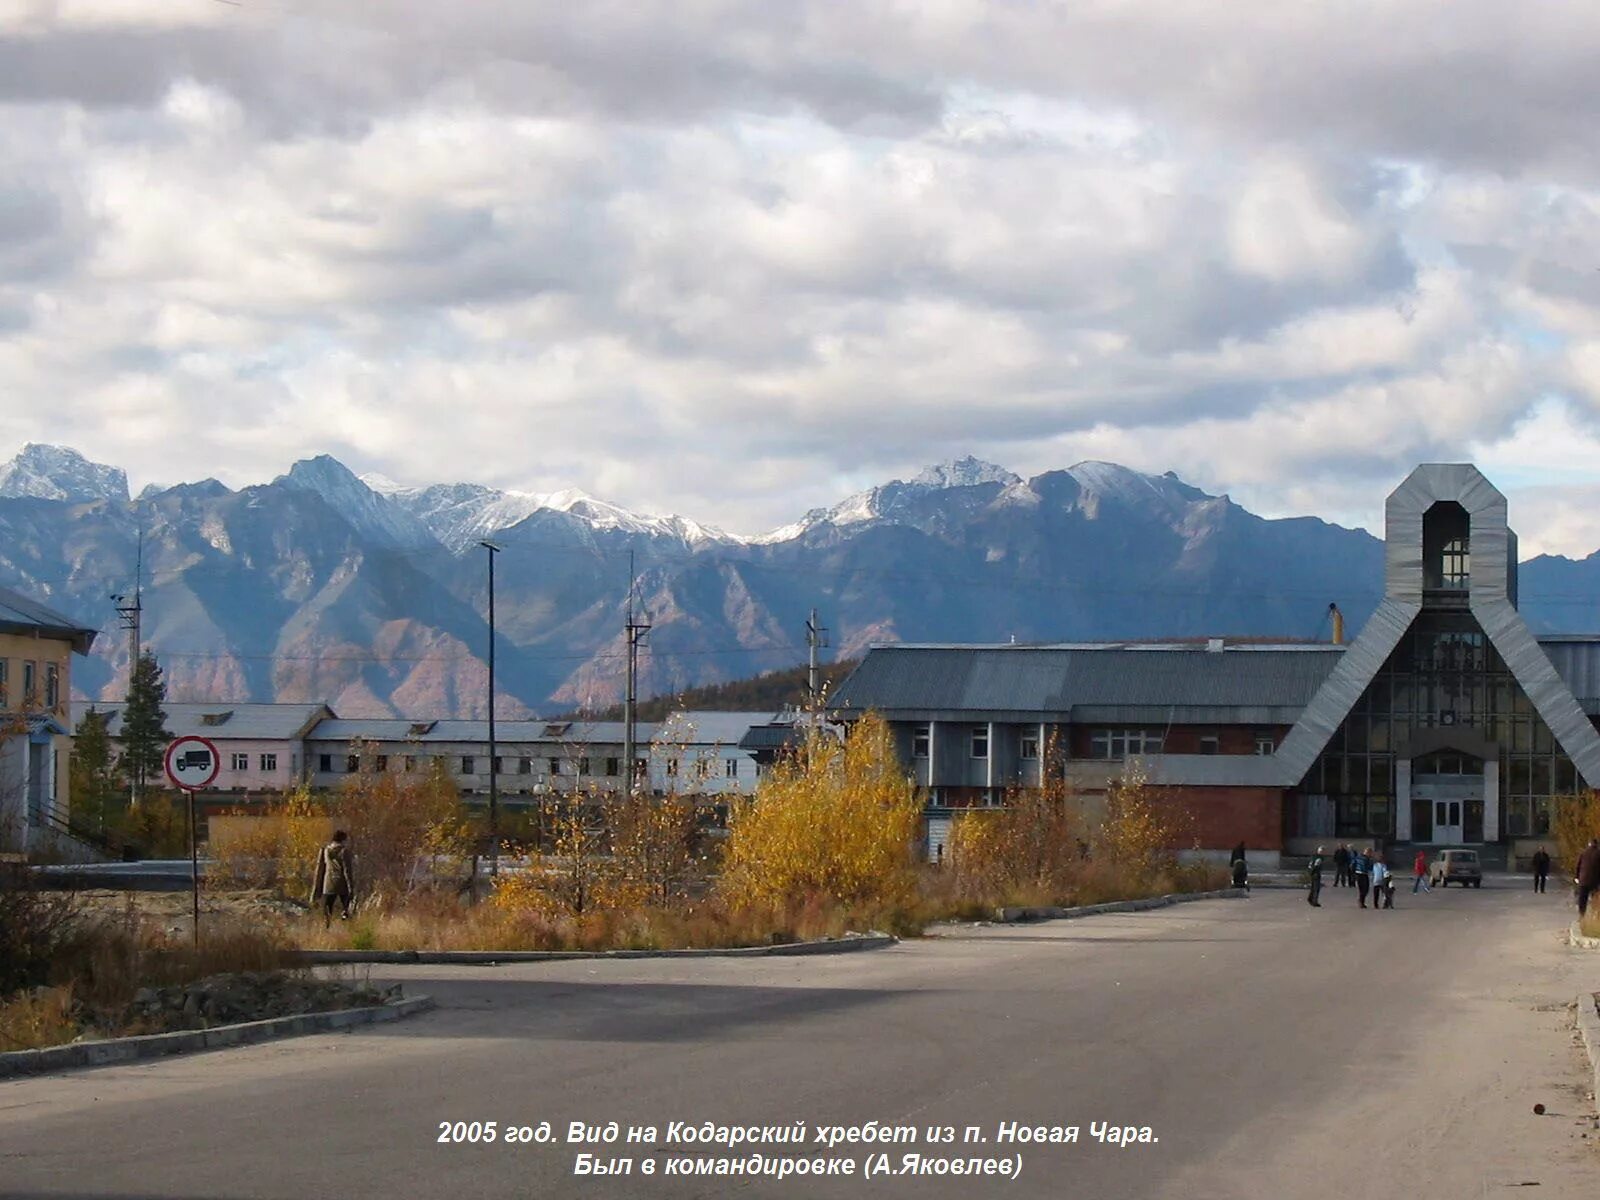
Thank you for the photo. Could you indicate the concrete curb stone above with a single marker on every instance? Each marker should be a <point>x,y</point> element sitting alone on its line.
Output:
<point>1009,916</point>
<point>1589,1028</point>
<point>845,945</point>
<point>22,1063</point>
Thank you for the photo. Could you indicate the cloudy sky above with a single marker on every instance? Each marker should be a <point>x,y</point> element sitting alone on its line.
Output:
<point>737,260</point>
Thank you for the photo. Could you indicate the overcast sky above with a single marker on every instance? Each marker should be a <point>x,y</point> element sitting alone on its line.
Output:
<point>738,260</point>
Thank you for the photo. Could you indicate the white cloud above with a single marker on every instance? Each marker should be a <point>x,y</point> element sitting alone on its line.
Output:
<point>735,261</point>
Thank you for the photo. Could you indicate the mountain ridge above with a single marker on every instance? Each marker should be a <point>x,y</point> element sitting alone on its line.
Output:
<point>319,586</point>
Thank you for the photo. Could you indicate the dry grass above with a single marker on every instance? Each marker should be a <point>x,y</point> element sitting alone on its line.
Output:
<point>436,922</point>
<point>35,1019</point>
<point>98,964</point>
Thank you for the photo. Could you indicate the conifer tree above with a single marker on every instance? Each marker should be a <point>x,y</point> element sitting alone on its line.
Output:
<point>144,732</point>
<point>95,786</point>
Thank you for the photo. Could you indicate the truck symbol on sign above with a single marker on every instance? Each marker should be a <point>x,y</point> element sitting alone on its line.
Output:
<point>200,759</point>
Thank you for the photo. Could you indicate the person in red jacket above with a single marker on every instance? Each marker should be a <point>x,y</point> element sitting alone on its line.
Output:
<point>1419,868</point>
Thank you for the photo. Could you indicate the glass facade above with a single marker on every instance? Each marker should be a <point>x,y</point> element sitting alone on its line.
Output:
<point>1443,674</point>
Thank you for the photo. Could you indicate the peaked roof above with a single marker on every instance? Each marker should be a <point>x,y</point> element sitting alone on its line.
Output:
<point>220,722</point>
<point>18,614</point>
<point>1490,593</point>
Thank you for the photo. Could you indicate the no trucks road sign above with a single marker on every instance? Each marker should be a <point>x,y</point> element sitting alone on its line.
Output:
<point>192,763</point>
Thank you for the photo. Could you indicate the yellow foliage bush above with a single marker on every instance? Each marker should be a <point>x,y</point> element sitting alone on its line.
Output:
<point>1577,819</point>
<point>406,830</point>
<point>835,818</point>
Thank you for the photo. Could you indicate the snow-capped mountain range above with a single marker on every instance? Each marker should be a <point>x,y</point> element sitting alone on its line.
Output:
<point>324,585</point>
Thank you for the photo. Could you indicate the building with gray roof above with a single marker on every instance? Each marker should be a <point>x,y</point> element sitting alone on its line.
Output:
<point>1446,722</point>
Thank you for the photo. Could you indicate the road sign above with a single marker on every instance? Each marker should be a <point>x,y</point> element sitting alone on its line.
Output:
<point>192,763</point>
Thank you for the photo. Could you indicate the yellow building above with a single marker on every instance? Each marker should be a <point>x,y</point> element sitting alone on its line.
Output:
<point>36,649</point>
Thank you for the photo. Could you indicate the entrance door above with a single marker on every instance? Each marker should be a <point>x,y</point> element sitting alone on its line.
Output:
<point>1447,824</point>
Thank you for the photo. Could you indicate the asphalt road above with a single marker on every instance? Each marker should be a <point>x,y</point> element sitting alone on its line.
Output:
<point>1273,1050</point>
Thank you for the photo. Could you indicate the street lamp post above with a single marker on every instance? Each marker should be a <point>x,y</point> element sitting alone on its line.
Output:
<point>494,777</point>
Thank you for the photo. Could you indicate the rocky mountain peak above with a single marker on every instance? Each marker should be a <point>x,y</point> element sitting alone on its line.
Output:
<point>46,472</point>
<point>964,472</point>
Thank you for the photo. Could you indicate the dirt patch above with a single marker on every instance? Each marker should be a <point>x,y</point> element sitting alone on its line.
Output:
<point>176,907</point>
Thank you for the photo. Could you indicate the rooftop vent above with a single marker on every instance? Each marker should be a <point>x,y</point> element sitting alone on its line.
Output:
<point>558,729</point>
<point>216,718</point>
<point>418,728</point>
<point>1214,645</point>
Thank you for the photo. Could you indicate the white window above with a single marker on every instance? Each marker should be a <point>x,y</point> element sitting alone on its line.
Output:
<point>1265,744</point>
<point>52,685</point>
<point>1120,743</point>
<point>731,766</point>
<point>920,738</point>
<point>1030,746</point>
<point>269,762</point>
<point>980,742</point>
<point>241,762</point>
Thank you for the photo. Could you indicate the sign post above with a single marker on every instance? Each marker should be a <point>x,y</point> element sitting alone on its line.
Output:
<point>191,764</point>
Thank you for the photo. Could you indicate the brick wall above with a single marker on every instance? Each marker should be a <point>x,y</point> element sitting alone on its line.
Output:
<point>1219,816</point>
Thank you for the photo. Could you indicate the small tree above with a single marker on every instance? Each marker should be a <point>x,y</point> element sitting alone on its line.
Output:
<point>835,819</point>
<point>1031,849</point>
<point>96,784</point>
<point>1141,832</point>
<point>575,877</point>
<point>144,731</point>
<point>1577,819</point>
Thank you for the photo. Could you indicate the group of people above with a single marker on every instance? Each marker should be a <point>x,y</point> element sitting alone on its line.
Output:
<point>1364,869</point>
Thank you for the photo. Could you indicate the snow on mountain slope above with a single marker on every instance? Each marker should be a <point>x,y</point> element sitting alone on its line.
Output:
<point>61,473</point>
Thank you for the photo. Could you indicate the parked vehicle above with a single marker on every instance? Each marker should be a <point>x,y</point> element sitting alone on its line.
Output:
<point>1456,866</point>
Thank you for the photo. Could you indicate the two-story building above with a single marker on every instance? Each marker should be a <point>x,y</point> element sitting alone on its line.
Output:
<point>1446,722</point>
<point>261,747</point>
<point>36,648</point>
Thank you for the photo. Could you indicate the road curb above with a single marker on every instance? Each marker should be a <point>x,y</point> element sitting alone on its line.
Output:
<point>130,1049</point>
<point>1576,938</point>
<point>1012,916</point>
<point>845,945</point>
<point>1589,1028</point>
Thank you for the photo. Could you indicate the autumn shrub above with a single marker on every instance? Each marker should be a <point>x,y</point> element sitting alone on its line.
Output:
<point>157,827</point>
<point>1141,832</point>
<point>36,927</point>
<point>37,1017</point>
<point>274,848</point>
<point>407,830</point>
<point>1577,820</point>
<point>837,819</point>
<point>573,876</point>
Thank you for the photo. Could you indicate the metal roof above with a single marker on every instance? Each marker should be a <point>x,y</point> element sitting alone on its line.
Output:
<point>1056,681</point>
<point>220,722</point>
<point>706,728</point>
<point>18,614</point>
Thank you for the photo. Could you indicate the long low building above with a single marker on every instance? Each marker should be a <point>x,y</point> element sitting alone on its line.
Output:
<point>269,748</point>
<point>1446,722</point>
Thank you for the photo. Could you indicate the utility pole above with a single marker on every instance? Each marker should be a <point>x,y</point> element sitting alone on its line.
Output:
<point>494,775</point>
<point>636,630</point>
<point>816,638</point>
<point>130,613</point>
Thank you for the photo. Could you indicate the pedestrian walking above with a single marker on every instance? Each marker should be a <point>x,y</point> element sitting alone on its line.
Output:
<point>336,877</point>
<point>1314,869</point>
<point>1588,874</point>
<point>1341,866</point>
<point>1359,867</point>
<point>1382,884</point>
<point>1541,868</point>
<point>1419,870</point>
